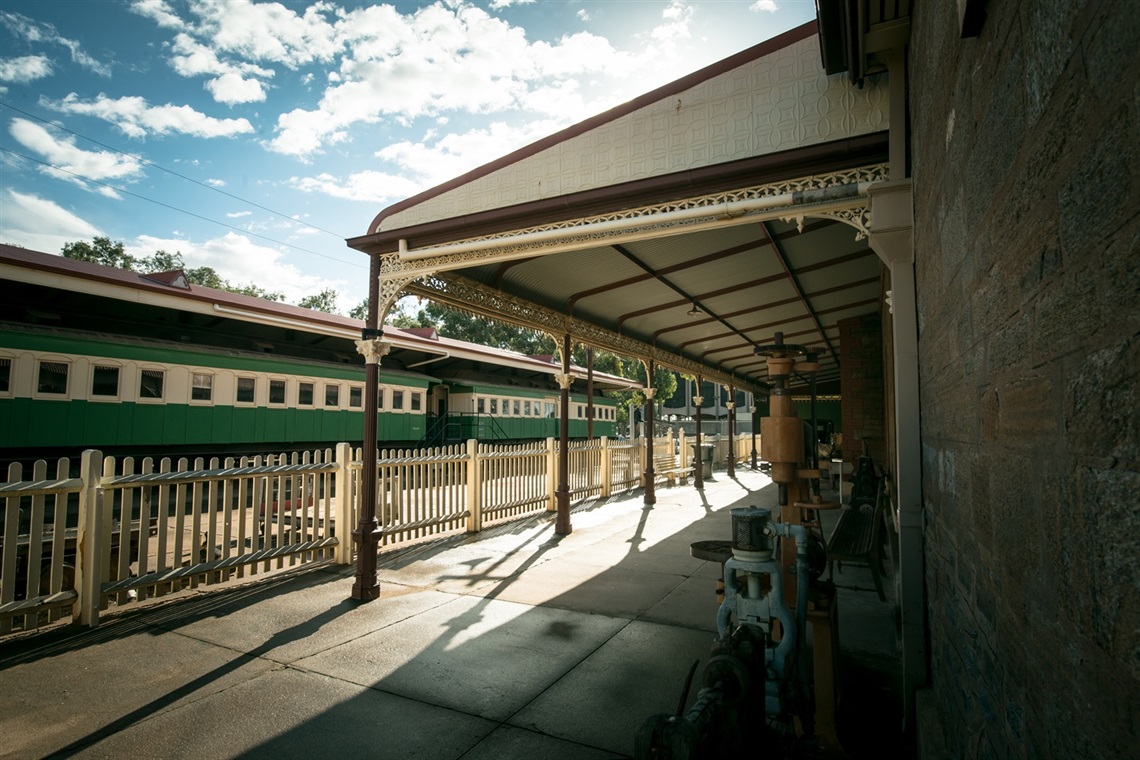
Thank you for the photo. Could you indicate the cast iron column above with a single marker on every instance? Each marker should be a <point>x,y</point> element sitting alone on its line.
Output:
<point>752,411</point>
<point>731,433</point>
<point>562,492</point>
<point>589,393</point>
<point>367,533</point>
<point>650,475</point>
<point>698,456</point>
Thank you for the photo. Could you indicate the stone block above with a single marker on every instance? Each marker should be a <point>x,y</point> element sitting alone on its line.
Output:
<point>1101,402</point>
<point>1098,191</point>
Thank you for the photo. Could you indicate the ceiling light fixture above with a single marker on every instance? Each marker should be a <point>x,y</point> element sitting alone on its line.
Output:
<point>693,311</point>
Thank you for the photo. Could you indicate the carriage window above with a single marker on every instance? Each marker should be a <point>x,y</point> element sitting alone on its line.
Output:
<point>494,406</point>
<point>526,408</point>
<point>549,409</point>
<point>150,383</point>
<point>245,389</point>
<point>5,375</point>
<point>277,391</point>
<point>332,395</point>
<point>104,381</point>
<point>516,407</point>
<point>304,394</point>
<point>416,401</point>
<point>481,406</point>
<point>355,397</point>
<point>53,378</point>
<point>397,401</point>
<point>201,386</point>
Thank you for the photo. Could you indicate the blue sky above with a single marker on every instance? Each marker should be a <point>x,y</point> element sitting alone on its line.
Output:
<point>254,137</point>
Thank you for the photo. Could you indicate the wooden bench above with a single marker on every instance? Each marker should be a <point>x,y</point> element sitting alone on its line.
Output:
<point>858,537</point>
<point>665,468</point>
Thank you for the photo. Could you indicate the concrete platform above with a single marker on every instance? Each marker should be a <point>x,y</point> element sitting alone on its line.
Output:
<point>511,643</point>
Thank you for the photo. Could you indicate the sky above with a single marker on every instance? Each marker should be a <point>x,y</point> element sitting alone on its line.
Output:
<point>255,137</point>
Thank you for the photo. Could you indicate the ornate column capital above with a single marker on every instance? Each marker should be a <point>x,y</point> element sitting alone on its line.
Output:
<point>650,393</point>
<point>564,380</point>
<point>373,349</point>
<point>730,404</point>
<point>698,400</point>
<point>752,410</point>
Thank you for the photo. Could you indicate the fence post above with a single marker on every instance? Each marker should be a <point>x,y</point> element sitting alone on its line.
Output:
<point>551,475</point>
<point>474,488</point>
<point>88,543</point>
<point>607,469</point>
<point>345,504</point>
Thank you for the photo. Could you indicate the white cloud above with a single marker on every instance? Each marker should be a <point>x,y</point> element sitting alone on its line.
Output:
<point>108,192</point>
<point>269,31</point>
<point>137,118</point>
<point>216,182</point>
<point>35,31</point>
<point>436,60</point>
<point>583,14</point>
<point>764,5</point>
<point>366,186</point>
<point>40,224</point>
<point>499,4</point>
<point>62,152</point>
<point>232,87</point>
<point>239,214</point>
<point>159,12</point>
<point>675,22</point>
<point>241,261</point>
<point>25,69</point>
<point>232,82</point>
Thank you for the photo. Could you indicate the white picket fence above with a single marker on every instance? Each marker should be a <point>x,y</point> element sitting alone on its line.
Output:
<point>127,530</point>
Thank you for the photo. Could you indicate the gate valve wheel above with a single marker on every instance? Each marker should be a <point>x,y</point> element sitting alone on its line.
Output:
<point>733,676</point>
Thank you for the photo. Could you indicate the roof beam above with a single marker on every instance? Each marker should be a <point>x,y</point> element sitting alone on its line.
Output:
<point>783,258</point>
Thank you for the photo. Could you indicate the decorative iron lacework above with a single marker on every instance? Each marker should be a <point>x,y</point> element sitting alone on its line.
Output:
<point>474,298</point>
<point>580,231</point>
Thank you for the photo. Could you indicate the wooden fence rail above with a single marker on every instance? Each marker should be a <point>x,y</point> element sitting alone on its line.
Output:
<point>125,529</point>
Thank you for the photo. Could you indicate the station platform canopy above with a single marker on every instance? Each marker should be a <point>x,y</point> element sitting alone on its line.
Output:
<point>687,226</point>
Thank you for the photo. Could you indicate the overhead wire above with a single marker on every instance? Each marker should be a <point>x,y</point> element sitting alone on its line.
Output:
<point>179,210</point>
<point>144,161</point>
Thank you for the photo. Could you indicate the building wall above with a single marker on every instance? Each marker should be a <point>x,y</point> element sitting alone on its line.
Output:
<point>1026,166</point>
<point>862,388</point>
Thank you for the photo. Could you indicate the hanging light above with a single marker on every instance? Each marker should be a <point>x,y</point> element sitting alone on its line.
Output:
<point>693,311</point>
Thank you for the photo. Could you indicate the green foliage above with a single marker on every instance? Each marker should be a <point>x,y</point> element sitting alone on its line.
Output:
<point>360,311</point>
<point>103,251</point>
<point>100,251</point>
<point>324,301</point>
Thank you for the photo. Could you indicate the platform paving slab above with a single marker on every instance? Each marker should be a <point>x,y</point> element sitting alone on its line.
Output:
<point>511,742</point>
<point>484,657</point>
<point>293,714</point>
<point>605,699</point>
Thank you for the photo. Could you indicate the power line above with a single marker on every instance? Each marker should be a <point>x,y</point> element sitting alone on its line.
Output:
<point>179,210</point>
<point>142,160</point>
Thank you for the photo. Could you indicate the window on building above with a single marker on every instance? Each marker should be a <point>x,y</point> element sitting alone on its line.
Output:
<point>201,386</point>
<point>53,378</point>
<point>304,394</point>
<point>332,395</point>
<point>245,389</point>
<point>397,401</point>
<point>151,382</point>
<point>417,401</point>
<point>277,391</point>
<point>355,397</point>
<point>481,406</point>
<point>104,380</point>
<point>5,375</point>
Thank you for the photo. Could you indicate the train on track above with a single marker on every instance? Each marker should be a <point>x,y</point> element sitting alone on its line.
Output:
<point>129,363</point>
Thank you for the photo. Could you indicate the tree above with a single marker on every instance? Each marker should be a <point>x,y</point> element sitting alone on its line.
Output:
<point>324,301</point>
<point>360,311</point>
<point>100,251</point>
